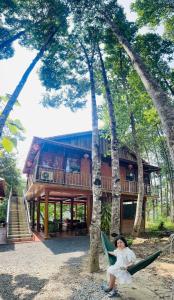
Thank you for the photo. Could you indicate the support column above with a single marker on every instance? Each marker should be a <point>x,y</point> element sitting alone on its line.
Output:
<point>89,211</point>
<point>46,214</point>
<point>84,212</point>
<point>38,214</point>
<point>76,211</point>
<point>30,209</point>
<point>33,214</point>
<point>55,211</point>
<point>72,203</point>
<point>61,215</point>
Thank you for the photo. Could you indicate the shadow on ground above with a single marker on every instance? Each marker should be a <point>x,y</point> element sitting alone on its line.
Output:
<point>66,245</point>
<point>20,286</point>
<point>7,247</point>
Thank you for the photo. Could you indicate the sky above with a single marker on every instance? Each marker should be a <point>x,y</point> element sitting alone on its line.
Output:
<point>37,120</point>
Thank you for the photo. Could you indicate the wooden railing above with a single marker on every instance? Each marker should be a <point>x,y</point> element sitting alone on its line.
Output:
<point>60,177</point>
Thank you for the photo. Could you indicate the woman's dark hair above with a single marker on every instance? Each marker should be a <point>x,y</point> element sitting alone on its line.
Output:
<point>120,237</point>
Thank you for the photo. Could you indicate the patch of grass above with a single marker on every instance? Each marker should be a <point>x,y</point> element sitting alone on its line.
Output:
<point>160,224</point>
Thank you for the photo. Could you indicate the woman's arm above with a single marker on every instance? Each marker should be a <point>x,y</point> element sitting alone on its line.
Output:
<point>112,253</point>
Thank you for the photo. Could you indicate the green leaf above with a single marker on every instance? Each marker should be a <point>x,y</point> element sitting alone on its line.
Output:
<point>13,129</point>
<point>7,144</point>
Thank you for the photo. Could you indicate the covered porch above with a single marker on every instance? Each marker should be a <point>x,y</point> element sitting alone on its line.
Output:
<point>54,211</point>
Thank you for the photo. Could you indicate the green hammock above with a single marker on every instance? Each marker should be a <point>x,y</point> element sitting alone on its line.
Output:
<point>108,246</point>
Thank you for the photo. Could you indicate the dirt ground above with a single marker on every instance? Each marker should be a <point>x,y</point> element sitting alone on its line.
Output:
<point>58,270</point>
<point>154,282</point>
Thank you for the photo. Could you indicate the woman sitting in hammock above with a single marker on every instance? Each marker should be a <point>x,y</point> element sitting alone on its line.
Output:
<point>118,273</point>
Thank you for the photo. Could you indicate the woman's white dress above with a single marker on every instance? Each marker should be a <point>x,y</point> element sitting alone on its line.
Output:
<point>124,258</point>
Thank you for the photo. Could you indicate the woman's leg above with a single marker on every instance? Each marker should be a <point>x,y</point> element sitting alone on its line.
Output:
<point>112,281</point>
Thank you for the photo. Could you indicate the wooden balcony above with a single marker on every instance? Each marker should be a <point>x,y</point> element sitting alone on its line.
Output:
<point>60,177</point>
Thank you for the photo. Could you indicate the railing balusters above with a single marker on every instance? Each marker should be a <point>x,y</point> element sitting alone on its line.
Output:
<point>60,177</point>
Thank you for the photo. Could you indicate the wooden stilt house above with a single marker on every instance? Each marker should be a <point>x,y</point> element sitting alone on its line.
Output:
<point>58,173</point>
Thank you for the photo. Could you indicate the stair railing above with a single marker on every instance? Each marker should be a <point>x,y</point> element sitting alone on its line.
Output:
<point>8,211</point>
<point>27,212</point>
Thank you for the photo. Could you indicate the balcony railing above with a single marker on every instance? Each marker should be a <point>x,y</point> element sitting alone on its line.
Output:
<point>60,177</point>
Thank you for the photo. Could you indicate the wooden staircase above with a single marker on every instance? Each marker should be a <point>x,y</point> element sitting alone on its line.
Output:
<point>18,228</point>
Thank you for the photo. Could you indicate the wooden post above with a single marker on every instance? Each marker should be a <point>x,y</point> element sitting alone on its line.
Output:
<point>76,211</point>
<point>89,211</point>
<point>72,204</point>
<point>30,209</point>
<point>61,215</point>
<point>33,214</point>
<point>55,211</point>
<point>84,212</point>
<point>46,214</point>
<point>38,214</point>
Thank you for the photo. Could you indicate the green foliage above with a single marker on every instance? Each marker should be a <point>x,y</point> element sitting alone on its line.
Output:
<point>3,211</point>
<point>11,173</point>
<point>156,12</point>
<point>13,130</point>
<point>161,223</point>
<point>106,217</point>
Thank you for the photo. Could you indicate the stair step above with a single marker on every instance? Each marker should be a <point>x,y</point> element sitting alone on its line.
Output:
<point>18,228</point>
<point>17,224</point>
<point>19,235</point>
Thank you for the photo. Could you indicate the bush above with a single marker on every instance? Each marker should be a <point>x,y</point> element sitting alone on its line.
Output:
<point>161,226</point>
<point>3,211</point>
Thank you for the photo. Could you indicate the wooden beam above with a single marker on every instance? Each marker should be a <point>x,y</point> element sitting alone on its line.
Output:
<point>38,214</point>
<point>46,214</point>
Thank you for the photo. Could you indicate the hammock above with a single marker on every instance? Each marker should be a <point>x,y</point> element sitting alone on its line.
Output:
<point>108,246</point>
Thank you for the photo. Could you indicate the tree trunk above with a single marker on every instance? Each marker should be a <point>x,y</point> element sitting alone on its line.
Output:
<point>96,175</point>
<point>161,101</point>
<point>139,207</point>
<point>116,189</point>
<point>12,39</point>
<point>161,193</point>
<point>172,201</point>
<point>13,98</point>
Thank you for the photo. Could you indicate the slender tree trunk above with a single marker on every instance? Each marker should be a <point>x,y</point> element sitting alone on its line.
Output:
<point>171,174</point>
<point>167,197</point>
<point>96,174</point>
<point>139,208</point>
<point>18,89</point>
<point>161,194</point>
<point>172,201</point>
<point>160,99</point>
<point>12,39</point>
<point>116,189</point>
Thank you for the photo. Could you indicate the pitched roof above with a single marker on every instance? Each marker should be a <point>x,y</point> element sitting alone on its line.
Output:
<point>125,153</point>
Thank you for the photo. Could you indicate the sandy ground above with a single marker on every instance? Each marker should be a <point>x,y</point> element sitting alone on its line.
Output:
<point>58,270</point>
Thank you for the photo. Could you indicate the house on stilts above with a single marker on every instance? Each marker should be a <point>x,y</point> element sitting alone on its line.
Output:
<point>58,173</point>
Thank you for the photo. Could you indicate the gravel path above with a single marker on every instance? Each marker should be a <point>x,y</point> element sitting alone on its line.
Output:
<point>58,270</point>
<point>25,269</point>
